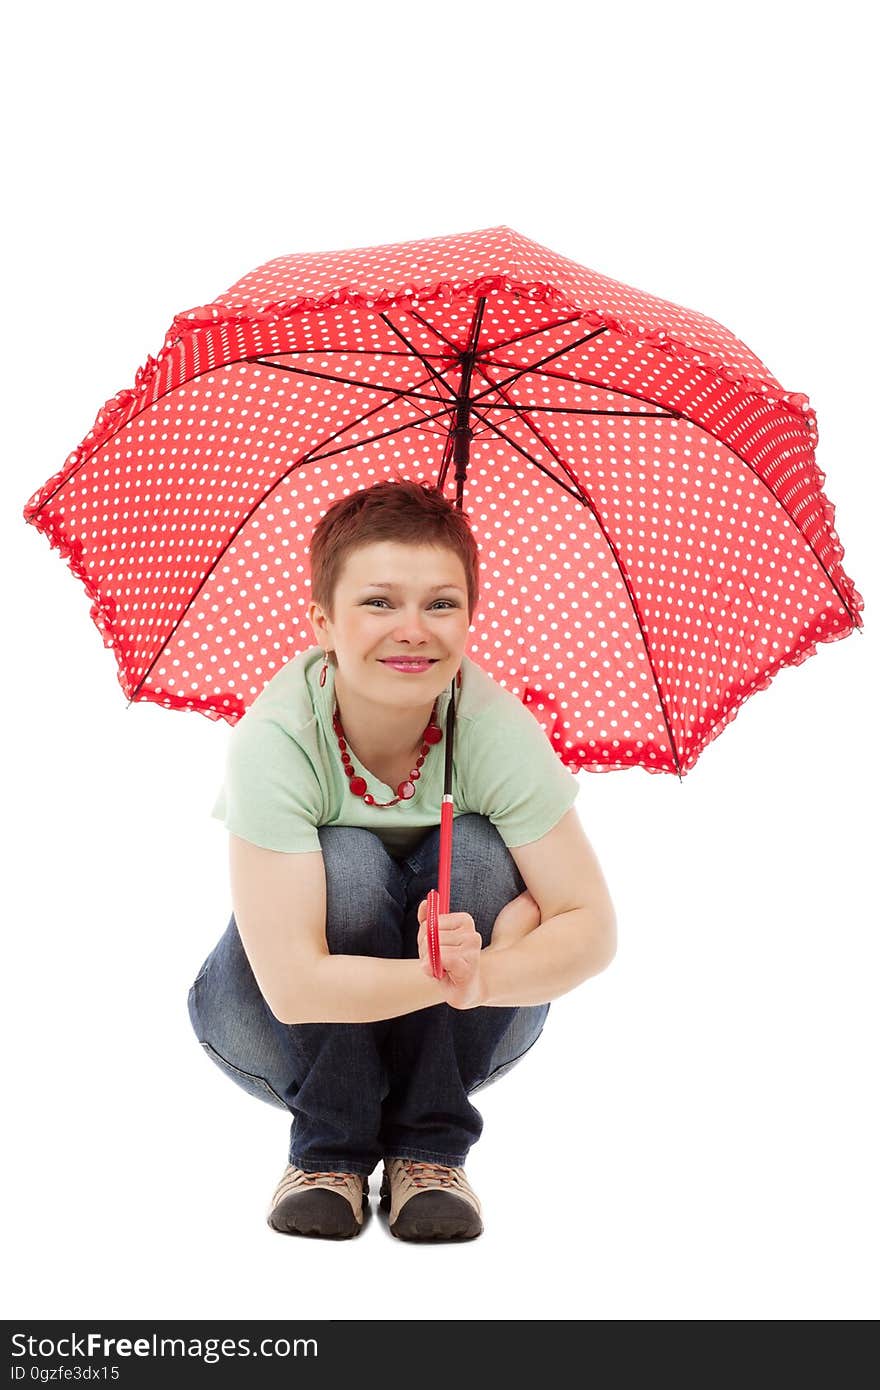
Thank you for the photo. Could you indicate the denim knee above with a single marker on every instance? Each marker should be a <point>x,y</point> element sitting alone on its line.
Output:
<point>480,856</point>
<point>365,894</point>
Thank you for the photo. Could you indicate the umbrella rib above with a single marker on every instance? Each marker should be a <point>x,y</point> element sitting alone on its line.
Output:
<point>362,443</point>
<point>584,410</point>
<point>417,425</point>
<point>260,362</point>
<point>308,457</point>
<point>410,395</point>
<point>533,332</point>
<point>578,381</point>
<point>574,492</point>
<point>357,352</point>
<point>414,350</point>
<point>343,380</point>
<point>491,347</point>
<point>522,415</point>
<point>436,331</point>
<point>478,434</point>
<point>522,369</point>
<point>587,501</point>
<point>698,425</point>
<point>507,342</point>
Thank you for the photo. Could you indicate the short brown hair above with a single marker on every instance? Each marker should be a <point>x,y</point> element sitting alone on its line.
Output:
<point>408,512</point>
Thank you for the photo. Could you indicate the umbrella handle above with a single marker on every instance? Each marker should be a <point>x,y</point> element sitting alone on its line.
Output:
<point>438,898</point>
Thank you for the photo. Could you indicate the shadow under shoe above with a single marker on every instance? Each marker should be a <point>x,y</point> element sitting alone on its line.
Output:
<point>328,1205</point>
<point>427,1201</point>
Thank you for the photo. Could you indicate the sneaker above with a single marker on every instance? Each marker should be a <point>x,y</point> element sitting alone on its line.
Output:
<point>332,1205</point>
<point>427,1201</point>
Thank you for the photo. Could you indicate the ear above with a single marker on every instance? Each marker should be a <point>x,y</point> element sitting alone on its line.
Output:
<point>319,624</point>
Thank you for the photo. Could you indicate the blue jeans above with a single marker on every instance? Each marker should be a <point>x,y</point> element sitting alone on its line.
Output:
<point>360,1092</point>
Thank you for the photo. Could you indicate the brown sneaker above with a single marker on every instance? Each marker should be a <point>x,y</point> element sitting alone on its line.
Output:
<point>319,1204</point>
<point>426,1201</point>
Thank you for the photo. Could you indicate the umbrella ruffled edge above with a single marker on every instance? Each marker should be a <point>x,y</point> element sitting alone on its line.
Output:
<point>104,624</point>
<point>70,553</point>
<point>795,658</point>
<point>537,291</point>
<point>568,756</point>
<point>120,408</point>
<point>790,659</point>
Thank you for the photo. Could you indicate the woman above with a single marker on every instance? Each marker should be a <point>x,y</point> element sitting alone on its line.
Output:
<point>319,997</point>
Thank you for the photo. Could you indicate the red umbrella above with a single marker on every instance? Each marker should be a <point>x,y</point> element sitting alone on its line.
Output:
<point>655,540</point>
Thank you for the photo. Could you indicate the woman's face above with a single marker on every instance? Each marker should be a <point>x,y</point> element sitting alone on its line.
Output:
<point>397,600</point>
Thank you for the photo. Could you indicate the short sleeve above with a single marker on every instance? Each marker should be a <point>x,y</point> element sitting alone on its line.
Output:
<point>515,778</point>
<point>271,794</point>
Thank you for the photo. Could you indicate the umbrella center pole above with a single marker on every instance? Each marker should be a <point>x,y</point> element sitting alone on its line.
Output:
<point>462,434</point>
<point>438,899</point>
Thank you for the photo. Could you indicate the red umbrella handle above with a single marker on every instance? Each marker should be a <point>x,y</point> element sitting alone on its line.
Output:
<point>438,898</point>
<point>434,935</point>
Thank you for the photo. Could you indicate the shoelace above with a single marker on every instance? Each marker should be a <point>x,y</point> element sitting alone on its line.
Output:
<point>422,1174</point>
<point>338,1179</point>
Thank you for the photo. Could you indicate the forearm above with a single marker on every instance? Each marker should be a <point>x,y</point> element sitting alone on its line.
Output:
<point>551,960</point>
<point>362,989</point>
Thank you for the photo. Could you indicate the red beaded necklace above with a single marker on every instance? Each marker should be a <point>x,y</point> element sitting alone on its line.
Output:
<point>431,734</point>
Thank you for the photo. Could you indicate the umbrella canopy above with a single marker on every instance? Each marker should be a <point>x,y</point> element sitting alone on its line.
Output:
<point>655,542</point>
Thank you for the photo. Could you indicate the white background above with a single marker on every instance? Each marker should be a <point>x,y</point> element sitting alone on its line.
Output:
<point>695,1135</point>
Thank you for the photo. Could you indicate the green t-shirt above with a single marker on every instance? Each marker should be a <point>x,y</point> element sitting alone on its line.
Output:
<point>284,773</point>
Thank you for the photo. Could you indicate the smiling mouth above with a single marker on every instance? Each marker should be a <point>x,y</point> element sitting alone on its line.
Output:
<point>418,664</point>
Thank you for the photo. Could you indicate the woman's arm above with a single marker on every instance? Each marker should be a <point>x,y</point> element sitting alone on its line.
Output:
<point>364,989</point>
<point>540,965</point>
<point>280,905</point>
<point>577,937</point>
<point>551,960</point>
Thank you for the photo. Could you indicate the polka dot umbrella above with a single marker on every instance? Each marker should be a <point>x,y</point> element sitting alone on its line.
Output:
<point>655,540</point>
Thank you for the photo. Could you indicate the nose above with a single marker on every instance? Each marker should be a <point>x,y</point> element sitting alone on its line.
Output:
<point>412,628</point>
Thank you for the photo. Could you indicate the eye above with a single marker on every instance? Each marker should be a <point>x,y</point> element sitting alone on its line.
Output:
<point>449,603</point>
